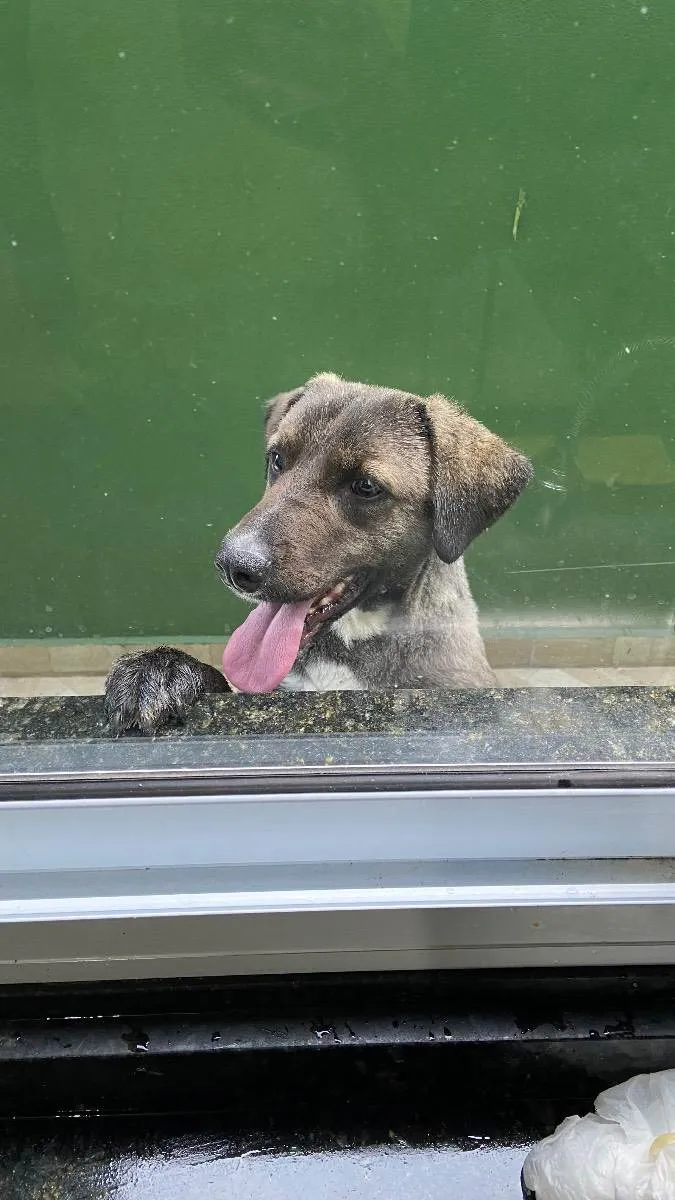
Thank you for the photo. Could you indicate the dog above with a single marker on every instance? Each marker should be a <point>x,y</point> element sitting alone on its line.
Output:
<point>352,558</point>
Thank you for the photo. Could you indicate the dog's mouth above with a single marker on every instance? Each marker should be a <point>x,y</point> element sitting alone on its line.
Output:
<point>262,651</point>
<point>328,607</point>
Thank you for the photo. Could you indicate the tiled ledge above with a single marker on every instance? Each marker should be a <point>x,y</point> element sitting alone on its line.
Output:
<point>41,658</point>
<point>507,677</point>
<point>86,658</point>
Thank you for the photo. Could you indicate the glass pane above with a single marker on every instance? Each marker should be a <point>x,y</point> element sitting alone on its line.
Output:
<point>205,203</point>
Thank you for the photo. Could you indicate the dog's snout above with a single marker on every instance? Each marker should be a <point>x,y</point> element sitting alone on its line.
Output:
<point>247,578</point>
<point>245,564</point>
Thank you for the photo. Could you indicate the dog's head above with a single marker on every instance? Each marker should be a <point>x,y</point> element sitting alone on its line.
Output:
<point>363,485</point>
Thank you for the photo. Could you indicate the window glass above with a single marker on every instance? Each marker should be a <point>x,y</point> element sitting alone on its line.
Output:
<point>205,203</point>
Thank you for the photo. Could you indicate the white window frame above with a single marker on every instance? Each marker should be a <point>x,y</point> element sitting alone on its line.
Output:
<point>100,880</point>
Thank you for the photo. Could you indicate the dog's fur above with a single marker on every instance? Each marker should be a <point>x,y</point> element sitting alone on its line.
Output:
<point>412,621</point>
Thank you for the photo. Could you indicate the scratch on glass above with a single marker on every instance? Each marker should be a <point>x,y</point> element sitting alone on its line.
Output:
<point>619,566</point>
<point>555,485</point>
<point>522,201</point>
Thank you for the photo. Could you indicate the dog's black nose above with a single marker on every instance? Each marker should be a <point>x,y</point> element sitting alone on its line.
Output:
<point>245,564</point>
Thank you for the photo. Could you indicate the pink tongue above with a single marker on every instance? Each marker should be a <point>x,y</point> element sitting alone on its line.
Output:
<point>262,651</point>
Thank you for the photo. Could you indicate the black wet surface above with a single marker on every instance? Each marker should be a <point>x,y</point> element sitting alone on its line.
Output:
<point>486,1065</point>
<point>332,1127</point>
<point>192,1160</point>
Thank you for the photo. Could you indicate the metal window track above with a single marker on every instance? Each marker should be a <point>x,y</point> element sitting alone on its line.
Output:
<point>134,886</point>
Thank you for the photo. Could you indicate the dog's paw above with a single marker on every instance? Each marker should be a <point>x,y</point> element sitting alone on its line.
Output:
<point>155,687</point>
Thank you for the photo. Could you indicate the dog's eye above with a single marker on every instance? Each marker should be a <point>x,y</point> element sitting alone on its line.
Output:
<point>275,462</point>
<point>366,488</point>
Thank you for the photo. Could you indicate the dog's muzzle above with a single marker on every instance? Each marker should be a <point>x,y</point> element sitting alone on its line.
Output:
<point>244,564</point>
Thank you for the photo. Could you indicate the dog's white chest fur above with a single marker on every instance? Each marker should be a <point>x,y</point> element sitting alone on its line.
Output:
<point>358,624</point>
<point>322,676</point>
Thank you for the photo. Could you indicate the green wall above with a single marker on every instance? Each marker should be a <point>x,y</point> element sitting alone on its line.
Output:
<point>205,201</point>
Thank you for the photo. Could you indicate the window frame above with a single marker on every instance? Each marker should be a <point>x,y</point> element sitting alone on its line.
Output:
<point>267,865</point>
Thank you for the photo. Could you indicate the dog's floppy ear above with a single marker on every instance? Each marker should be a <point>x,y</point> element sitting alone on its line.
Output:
<point>475,476</point>
<point>278,406</point>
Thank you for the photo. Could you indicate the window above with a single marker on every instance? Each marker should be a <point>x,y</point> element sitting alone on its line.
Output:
<point>202,207</point>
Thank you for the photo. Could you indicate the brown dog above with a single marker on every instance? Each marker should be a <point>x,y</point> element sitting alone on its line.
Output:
<point>353,557</point>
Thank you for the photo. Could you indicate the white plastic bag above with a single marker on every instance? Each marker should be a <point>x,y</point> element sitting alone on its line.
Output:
<point>625,1150</point>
